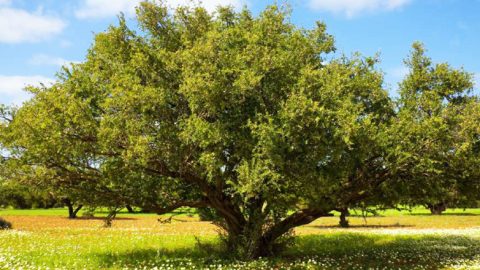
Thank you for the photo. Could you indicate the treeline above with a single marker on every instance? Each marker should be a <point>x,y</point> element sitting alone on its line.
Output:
<point>22,197</point>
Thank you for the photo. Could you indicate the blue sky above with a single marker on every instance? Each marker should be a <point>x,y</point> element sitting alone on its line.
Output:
<point>37,37</point>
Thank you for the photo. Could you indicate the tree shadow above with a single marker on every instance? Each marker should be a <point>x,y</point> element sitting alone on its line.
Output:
<point>333,251</point>
<point>365,226</point>
<point>184,257</point>
<point>103,218</point>
<point>355,250</point>
<point>443,214</point>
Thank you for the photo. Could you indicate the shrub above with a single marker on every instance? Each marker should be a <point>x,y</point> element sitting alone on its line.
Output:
<point>89,212</point>
<point>5,225</point>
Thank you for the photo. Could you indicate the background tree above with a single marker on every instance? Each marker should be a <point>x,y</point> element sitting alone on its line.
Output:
<point>436,111</point>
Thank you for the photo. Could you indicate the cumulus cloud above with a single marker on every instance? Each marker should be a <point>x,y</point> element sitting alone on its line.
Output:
<point>17,25</point>
<point>107,8</point>
<point>11,87</point>
<point>351,8</point>
<point>48,60</point>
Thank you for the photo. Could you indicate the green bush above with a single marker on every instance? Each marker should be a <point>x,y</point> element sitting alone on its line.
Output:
<point>89,212</point>
<point>5,225</point>
<point>23,197</point>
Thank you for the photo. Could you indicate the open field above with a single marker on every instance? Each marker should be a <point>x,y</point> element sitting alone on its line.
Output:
<point>45,239</point>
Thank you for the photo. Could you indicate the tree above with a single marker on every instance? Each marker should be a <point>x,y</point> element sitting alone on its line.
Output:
<point>236,113</point>
<point>436,132</point>
<point>231,112</point>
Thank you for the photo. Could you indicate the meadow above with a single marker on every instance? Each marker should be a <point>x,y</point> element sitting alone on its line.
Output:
<point>46,239</point>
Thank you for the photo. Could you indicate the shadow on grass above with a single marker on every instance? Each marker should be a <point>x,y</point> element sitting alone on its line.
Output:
<point>443,214</point>
<point>353,250</point>
<point>408,213</point>
<point>102,218</point>
<point>178,257</point>
<point>331,251</point>
<point>366,226</point>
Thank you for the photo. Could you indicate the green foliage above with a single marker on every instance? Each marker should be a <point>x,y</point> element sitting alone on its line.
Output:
<point>435,133</point>
<point>22,197</point>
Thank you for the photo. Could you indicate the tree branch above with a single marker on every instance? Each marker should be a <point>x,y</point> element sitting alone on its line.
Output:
<point>301,217</point>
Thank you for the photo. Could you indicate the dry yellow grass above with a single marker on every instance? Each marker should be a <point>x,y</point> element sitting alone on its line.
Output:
<point>192,226</point>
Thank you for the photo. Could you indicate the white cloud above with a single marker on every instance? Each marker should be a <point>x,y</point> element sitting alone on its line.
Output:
<point>48,60</point>
<point>5,2</point>
<point>351,8</point>
<point>108,8</point>
<point>11,87</point>
<point>105,8</point>
<point>17,25</point>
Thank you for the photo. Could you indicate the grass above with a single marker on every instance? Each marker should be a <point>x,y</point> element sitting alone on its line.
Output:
<point>47,240</point>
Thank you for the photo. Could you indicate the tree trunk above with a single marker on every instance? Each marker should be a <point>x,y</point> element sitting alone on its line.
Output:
<point>75,212</point>
<point>72,212</point>
<point>268,243</point>
<point>343,217</point>
<point>437,209</point>
<point>129,209</point>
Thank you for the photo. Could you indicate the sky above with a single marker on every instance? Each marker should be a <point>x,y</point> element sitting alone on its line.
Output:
<point>37,37</point>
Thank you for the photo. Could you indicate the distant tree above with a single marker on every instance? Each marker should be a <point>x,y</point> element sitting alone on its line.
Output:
<point>436,131</point>
<point>31,170</point>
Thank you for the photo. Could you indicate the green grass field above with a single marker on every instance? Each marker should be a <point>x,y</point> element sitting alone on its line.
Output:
<point>45,239</point>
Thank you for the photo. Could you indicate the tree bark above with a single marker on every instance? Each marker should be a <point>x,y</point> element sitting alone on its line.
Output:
<point>72,212</point>
<point>129,209</point>
<point>75,212</point>
<point>266,244</point>
<point>343,217</point>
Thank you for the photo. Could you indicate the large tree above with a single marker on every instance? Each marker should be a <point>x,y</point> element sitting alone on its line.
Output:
<point>229,111</point>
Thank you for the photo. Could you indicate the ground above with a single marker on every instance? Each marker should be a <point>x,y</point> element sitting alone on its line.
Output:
<point>46,239</point>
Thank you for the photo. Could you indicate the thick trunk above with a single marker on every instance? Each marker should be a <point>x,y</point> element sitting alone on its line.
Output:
<point>437,209</point>
<point>267,245</point>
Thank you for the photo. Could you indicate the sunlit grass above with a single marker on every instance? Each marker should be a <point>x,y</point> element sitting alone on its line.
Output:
<point>142,242</point>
